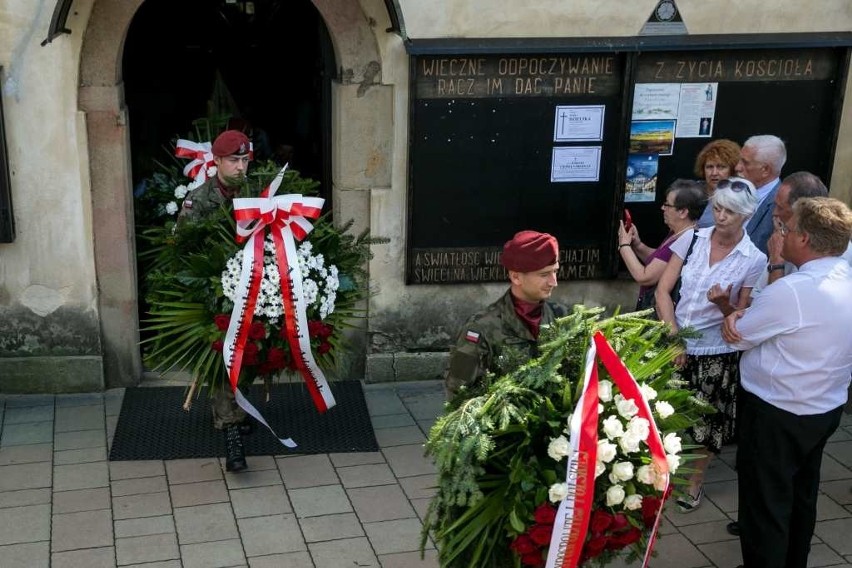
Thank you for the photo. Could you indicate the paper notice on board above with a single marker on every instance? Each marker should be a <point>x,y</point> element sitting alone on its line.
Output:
<point>697,111</point>
<point>653,101</point>
<point>575,164</point>
<point>578,123</point>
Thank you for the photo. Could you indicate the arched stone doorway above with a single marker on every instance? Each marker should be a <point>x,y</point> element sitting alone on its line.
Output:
<point>361,156</point>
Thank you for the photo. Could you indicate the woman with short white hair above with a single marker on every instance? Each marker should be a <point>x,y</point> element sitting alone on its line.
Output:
<point>718,266</point>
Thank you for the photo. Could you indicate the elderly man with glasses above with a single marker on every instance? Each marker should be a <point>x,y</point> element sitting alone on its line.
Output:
<point>795,339</point>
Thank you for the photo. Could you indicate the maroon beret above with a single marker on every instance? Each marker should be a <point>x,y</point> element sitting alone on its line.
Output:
<point>231,142</point>
<point>529,251</point>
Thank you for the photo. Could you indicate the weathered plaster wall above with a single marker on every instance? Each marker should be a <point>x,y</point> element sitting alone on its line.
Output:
<point>47,277</point>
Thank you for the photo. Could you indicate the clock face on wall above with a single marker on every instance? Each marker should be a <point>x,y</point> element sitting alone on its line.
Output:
<point>665,11</point>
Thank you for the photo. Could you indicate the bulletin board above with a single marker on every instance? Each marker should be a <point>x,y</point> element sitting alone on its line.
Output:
<point>562,142</point>
<point>504,143</point>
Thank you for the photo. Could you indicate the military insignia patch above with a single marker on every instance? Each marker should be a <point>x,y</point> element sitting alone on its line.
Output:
<point>472,336</point>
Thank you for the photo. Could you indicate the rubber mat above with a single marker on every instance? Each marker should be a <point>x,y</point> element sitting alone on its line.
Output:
<point>152,424</point>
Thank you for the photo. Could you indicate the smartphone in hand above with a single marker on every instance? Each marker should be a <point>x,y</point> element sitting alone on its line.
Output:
<point>628,221</point>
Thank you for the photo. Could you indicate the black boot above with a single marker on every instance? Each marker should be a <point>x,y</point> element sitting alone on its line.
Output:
<point>235,459</point>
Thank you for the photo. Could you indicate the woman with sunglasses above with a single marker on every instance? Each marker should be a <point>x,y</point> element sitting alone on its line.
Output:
<point>684,202</point>
<point>723,267</point>
<point>716,161</point>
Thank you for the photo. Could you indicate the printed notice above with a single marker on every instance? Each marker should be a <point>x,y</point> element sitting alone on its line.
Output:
<point>575,163</point>
<point>652,101</point>
<point>697,110</point>
<point>578,123</point>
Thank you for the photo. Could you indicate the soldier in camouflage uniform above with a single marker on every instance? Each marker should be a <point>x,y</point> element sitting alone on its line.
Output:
<point>511,323</point>
<point>231,153</point>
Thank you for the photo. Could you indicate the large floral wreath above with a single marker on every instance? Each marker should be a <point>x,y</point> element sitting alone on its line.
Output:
<point>501,456</point>
<point>191,271</point>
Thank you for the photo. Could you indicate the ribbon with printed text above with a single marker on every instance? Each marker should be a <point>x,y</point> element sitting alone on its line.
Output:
<point>574,513</point>
<point>286,217</point>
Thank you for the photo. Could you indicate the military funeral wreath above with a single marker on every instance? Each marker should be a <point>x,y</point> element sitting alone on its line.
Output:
<point>567,459</point>
<point>264,289</point>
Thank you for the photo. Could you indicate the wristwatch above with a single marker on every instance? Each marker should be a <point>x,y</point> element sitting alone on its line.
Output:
<point>774,267</point>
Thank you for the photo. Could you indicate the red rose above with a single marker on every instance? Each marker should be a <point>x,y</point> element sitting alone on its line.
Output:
<point>540,534</point>
<point>619,522</point>
<point>624,538</point>
<point>545,514</point>
<point>250,353</point>
<point>257,331</point>
<point>650,506</point>
<point>594,546</point>
<point>601,520</point>
<point>222,321</point>
<point>523,544</point>
<point>315,328</point>
<point>217,345</point>
<point>532,559</point>
<point>324,347</point>
<point>327,331</point>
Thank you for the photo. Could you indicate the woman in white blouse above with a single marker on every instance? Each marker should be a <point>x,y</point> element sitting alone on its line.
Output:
<point>716,279</point>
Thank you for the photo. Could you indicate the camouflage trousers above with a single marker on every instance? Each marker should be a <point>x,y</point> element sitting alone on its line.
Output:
<point>226,411</point>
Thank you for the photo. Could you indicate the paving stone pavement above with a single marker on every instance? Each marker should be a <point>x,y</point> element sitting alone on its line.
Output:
<point>63,505</point>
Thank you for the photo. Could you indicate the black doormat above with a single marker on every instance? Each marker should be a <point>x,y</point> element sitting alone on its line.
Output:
<point>152,424</point>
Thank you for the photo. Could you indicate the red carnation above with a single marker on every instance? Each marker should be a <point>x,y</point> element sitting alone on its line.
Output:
<point>540,534</point>
<point>594,546</point>
<point>277,358</point>
<point>217,345</point>
<point>532,559</point>
<point>257,330</point>
<point>601,520</point>
<point>545,514</point>
<point>324,347</point>
<point>222,321</point>
<point>523,544</point>
<point>250,353</point>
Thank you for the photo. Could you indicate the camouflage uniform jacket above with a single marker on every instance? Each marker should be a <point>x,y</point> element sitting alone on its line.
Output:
<point>484,337</point>
<point>203,200</point>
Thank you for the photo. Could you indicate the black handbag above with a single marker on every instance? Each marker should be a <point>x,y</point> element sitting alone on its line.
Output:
<point>647,298</point>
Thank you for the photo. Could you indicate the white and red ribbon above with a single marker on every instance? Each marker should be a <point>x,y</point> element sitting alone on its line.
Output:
<point>572,518</point>
<point>200,153</point>
<point>286,217</point>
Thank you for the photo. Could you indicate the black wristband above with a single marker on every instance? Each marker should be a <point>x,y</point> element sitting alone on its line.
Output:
<point>623,245</point>
<point>774,267</point>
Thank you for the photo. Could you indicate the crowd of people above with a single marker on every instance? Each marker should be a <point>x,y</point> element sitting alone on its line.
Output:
<point>760,269</point>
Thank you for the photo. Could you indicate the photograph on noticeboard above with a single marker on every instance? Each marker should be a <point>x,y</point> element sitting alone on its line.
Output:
<point>652,137</point>
<point>641,184</point>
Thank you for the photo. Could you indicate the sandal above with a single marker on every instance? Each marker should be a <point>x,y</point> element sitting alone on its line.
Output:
<point>687,503</point>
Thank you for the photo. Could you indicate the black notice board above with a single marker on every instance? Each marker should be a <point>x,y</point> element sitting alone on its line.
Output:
<point>794,94</point>
<point>7,219</point>
<point>481,153</point>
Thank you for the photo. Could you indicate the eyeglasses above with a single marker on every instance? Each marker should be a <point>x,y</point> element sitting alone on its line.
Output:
<point>782,228</point>
<point>735,185</point>
<point>672,205</point>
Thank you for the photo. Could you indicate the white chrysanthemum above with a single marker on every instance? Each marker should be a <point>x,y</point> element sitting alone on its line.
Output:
<point>663,408</point>
<point>558,448</point>
<point>195,183</point>
<point>557,492</point>
<point>319,282</point>
<point>633,502</point>
<point>606,451</point>
<point>180,191</point>
<point>671,443</point>
<point>605,391</point>
<point>612,427</point>
<point>171,207</point>
<point>614,495</point>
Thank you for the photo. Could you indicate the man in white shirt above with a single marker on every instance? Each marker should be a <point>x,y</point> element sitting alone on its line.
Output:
<point>761,159</point>
<point>794,375</point>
